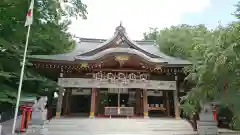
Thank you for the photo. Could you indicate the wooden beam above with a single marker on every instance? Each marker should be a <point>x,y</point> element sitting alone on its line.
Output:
<point>89,82</point>
<point>121,70</point>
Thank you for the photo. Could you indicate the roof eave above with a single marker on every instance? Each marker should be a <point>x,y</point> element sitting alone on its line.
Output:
<point>136,46</point>
<point>178,65</point>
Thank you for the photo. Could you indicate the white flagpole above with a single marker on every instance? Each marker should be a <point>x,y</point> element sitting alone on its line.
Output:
<point>20,81</point>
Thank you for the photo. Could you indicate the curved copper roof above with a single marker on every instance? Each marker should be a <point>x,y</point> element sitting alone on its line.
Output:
<point>121,50</point>
<point>93,49</point>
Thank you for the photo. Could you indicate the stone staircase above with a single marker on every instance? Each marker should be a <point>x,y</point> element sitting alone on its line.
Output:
<point>119,126</point>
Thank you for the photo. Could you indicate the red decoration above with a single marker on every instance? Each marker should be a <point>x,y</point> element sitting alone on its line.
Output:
<point>214,115</point>
<point>22,128</point>
<point>27,109</point>
<point>29,12</point>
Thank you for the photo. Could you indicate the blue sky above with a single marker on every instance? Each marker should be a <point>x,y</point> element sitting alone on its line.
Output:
<point>219,10</point>
<point>138,15</point>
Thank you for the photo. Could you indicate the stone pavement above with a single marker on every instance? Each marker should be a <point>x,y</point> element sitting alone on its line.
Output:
<point>118,126</point>
<point>7,126</point>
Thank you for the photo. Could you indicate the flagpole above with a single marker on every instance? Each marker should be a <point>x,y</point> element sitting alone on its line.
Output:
<point>21,81</point>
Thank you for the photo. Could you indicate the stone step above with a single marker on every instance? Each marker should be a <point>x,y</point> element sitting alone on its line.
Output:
<point>132,128</point>
<point>109,128</point>
<point>100,128</point>
<point>122,120</point>
<point>207,127</point>
<point>86,126</point>
<point>118,133</point>
<point>207,123</point>
<point>135,123</point>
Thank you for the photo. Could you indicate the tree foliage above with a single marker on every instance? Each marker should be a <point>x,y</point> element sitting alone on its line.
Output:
<point>48,36</point>
<point>216,62</point>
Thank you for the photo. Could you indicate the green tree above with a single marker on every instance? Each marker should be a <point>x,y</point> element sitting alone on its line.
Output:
<point>215,57</point>
<point>48,36</point>
<point>151,35</point>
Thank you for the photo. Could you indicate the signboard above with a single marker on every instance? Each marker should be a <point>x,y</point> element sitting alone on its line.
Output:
<point>81,91</point>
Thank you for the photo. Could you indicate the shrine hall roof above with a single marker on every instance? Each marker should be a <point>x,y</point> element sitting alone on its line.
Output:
<point>89,49</point>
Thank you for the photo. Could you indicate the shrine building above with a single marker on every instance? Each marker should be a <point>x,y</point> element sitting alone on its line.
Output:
<point>115,77</point>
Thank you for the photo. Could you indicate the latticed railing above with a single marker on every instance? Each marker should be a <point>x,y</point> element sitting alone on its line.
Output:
<point>119,111</point>
<point>131,98</point>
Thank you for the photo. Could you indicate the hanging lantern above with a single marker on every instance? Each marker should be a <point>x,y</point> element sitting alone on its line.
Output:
<point>132,77</point>
<point>99,76</point>
<point>111,77</point>
<point>143,77</point>
<point>121,76</point>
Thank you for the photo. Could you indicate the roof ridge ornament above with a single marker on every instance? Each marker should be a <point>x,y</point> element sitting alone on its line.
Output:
<point>120,28</point>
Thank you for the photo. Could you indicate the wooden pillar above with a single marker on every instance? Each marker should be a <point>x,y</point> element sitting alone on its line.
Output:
<point>60,98</point>
<point>93,103</point>
<point>168,103</point>
<point>141,102</point>
<point>64,102</point>
<point>138,102</point>
<point>69,101</point>
<point>97,101</point>
<point>176,100</point>
<point>145,104</point>
<point>67,105</point>
<point>59,103</point>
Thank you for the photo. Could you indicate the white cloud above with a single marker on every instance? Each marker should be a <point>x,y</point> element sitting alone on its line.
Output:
<point>137,16</point>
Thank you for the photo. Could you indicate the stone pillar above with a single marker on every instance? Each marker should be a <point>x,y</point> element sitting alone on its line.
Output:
<point>176,100</point>
<point>93,103</point>
<point>168,103</point>
<point>59,103</point>
<point>207,125</point>
<point>145,104</point>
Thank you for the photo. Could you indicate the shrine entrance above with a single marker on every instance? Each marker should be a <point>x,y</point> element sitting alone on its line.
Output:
<point>80,101</point>
<point>121,102</point>
<point>118,97</point>
<point>114,98</point>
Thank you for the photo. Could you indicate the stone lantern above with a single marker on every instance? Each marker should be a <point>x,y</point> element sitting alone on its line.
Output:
<point>207,125</point>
